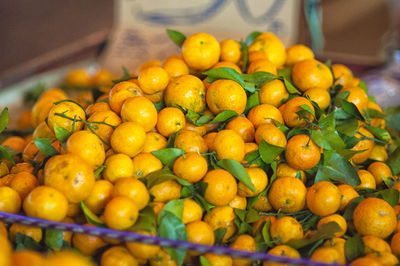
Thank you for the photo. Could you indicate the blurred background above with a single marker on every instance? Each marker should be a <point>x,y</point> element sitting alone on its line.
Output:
<point>43,34</point>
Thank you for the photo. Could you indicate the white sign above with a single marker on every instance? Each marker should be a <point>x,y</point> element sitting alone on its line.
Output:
<point>140,27</point>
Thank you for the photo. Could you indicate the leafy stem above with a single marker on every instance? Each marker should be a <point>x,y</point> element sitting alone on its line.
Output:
<point>88,124</point>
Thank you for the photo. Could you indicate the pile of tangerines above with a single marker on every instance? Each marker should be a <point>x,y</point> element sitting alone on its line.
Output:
<point>241,144</point>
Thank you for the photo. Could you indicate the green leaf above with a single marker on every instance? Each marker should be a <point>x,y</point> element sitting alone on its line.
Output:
<point>244,48</point>
<point>177,37</point>
<point>252,37</point>
<point>237,170</point>
<point>198,119</point>
<point>219,235</point>
<point>259,78</point>
<point>163,175</point>
<point>326,231</point>
<point>223,116</point>
<point>389,181</point>
<point>173,206</point>
<point>394,161</point>
<point>168,156</point>
<point>33,94</point>
<point>372,113</point>
<point>204,261</point>
<point>171,227</point>
<point>4,152</point>
<point>338,169</point>
<point>269,152</point>
<point>204,119</point>
<point>352,109</point>
<point>54,239</point>
<point>98,171</point>
<point>348,213</point>
<point>61,133</point>
<point>146,220</point>
<point>252,216</point>
<point>45,146</point>
<point>241,214</point>
<point>91,217</point>
<point>224,73</point>
<point>290,87</point>
<point>347,126</point>
<point>274,166</point>
<point>252,101</point>
<point>26,242</point>
<point>354,247</point>
<point>363,86</point>
<point>192,116</point>
<point>308,109</point>
<point>379,133</point>
<point>390,195</point>
<point>285,73</point>
<point>327,139</point>
<point>159,105</point>
<point>298,131</point>
<point>265,233</point>
<point>4,119</point>
<point>281,127</point>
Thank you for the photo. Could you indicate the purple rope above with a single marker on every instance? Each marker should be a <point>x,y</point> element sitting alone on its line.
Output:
<point>164,242</point>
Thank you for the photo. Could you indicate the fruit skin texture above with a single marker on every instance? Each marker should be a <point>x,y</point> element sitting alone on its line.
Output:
<point>88,146</point>
<point>297,53</point>
<point>143,251</point>
<point>337,219</point>
<point>128,138</point>
<point>222,217</point>
<point>224,94</point>
<point>200,232</point>
<point>10,201</point>
<point>291,107</point>
<point>285,229</point>
<point>287,194</point>
<point>374,217</point>
<point>201,51</point>
<point>259,179</point>
<point>118,256</point>
<point>70,175</point>
<point>243,242</point>
<point>229,145</point>
<point>282,250</point>
<point>118,166</point>
<point>302,153</point>
<point>133,189</point>
<point>70,110</point>
<point>121,213</point>
<point>222,187</point>
<point>191,167</point>
<point>364,144</point>
<point>46,203</point>
<point>273,93</point>
<point>271,46</point>
<point>100,195</point>
<point>141,110</point>
<point>153,79</point>
<point>166,191</point>
<point>187,91</point>
<point>34,232</point>
<point>170,120</point>
<point>348,193</point>
<point>190,141</point>
<point>311,73</point>
<point>323,198</point>
<point>230,51</point>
